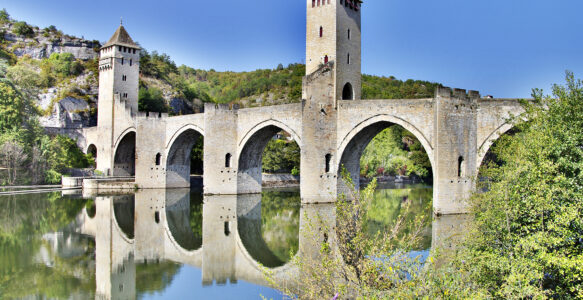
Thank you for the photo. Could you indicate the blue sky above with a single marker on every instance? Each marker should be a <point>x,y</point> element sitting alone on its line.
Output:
<point>499,47</point>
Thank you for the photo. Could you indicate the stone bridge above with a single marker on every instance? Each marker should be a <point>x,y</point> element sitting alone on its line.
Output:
<point>154,226</point>
<point>331,124</point>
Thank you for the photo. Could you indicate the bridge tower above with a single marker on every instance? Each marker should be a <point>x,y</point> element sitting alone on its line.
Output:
<point>333,69</point>
<point>333,35</point>
<point>118,94</point>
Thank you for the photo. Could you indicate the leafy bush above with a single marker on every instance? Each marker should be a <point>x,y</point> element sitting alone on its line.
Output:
<point>22,29</point>
<point>151,100</point>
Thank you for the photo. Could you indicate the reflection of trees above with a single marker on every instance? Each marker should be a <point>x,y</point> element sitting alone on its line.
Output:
<point>31,265</point>
<point>155,277</point>
<point>185,223</point>
<point>280,222</point>
<point>386,207</point>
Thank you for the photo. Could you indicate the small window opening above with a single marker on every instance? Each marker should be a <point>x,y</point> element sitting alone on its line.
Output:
<point>121,287</point>
<point>313,3</point>
<point>348,59</point>
<point>123,78</point>
<point>321,31</point>
<point>227,229</point>
<point>122,60</point>
<point>131,62</point>
<point>326,59</point>
<point>328,160</point>
<point>348,33</point>
<point>228,160</point>
<point>460,166</point>
<point>157,217</point>
<point>119,48</point>
<point>158,156</point>
<point>347,93</point>
<point>134,51</point>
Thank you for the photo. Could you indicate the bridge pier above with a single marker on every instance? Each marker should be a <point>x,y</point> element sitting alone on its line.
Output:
<point>220,150</point>
<point>455,150</point>
<point>150,154</point>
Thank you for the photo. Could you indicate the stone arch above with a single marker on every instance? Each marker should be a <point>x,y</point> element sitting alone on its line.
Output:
<point>178,156</point>
<point>250,153</point>
<point>177,212</point>
<point>354,143</point>
<point>489,141</point>
<point>92,150</point>
<point>347,92</point>
<point>124,214</point>
<point>124,162</point>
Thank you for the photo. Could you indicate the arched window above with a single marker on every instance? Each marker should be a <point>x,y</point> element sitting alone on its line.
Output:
<point>328,160</point>
<point>157,217</point>
<point>158,157</point>
<point>460,166</point>
<point>228,160</point>
<point>321,31</point>
<point>326,59</point>
<point>347,93</point>
<point>227,229</point>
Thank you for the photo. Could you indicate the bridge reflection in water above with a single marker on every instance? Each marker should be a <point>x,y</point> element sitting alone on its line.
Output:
<point>225,236</point>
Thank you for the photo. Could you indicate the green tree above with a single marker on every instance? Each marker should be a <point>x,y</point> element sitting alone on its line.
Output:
<point>528,227</point>
<point>22,29</point>
<point>151,100</point>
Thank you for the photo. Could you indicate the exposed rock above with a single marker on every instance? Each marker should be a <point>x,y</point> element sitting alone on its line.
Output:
<point>68,113</point>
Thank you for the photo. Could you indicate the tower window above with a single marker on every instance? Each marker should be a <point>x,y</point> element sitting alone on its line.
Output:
<point>326,59</point>
<point>119,48</point>
<point>158,158</point>
<point>227,229</point>
<point>328,160</point>
<point>124,78</point>
<point>228,160</point>
<point>321,31</point>
<point>348,33</point>
<point>131,62</point>
<point>313,3</point>
<point>122,61</point>
<point>348,59</point>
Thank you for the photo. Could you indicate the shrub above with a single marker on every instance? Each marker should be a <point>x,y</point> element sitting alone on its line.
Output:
<point>22,29</point>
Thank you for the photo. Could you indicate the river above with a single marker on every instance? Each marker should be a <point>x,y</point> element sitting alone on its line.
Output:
<point>167,243</point>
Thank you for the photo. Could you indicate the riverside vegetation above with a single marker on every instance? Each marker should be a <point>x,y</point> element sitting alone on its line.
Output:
<point>31,157</point>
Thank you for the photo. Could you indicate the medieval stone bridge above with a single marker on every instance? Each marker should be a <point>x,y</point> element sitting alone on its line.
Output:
<point>331,125</point>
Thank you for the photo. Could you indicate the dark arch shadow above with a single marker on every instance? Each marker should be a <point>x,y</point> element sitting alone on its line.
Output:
<point>179,162</point>
<point>124,163</point>
<point>92,150</point>
<point>250,163</point>
<point>350,158</point>
<point>184,217</point>
<point>124,209</point>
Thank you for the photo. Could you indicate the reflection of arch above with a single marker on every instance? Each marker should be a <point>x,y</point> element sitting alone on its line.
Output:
<point>178,222</point>
<point>178,157</point>
<point>250,239</point>
<point>354,143</point>
<point>123,211</point>
<point>251,152</point>
<point>347,93</point>
<point>489,141</point>
<point>124,163</point>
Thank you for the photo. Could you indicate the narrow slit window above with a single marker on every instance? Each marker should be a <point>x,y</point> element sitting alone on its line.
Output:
<point>157,217</point>
<point>348,58</point>
<point>460,166</point>
<point>321,31</point>
<point>328,160</point>
<point>131,62</point>
<point>349,34</point>
<point>122,61</point>
<point>227,229</point>
<point>228,160</point>
<point>326,59</point>
<point>158,157</point>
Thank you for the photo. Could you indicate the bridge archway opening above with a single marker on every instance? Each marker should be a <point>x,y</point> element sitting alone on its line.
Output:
<point>184,219</point>
<point>347,92</point>
<point>387,151</point>
<point>488,154</point>
<point>270,150</point>
<point>184,161</point>
<point>268,226</point>
<point>92,151</point>
<point>124,163</point>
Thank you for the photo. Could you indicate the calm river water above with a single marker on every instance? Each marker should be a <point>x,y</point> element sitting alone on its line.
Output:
<point>171,244</point>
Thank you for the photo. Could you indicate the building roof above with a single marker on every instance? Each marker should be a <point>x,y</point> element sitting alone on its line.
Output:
<point>121,38</point>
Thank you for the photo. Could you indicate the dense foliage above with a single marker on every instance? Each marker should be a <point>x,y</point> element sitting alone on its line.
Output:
<point>528,237</point>
<point>395,151</point>
<point>281,156</point>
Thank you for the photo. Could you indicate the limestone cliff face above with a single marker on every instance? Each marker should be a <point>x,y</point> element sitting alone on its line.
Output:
<point>39,47</point>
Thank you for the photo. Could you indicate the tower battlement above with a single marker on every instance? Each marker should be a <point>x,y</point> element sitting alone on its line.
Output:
<point>462,94</point>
